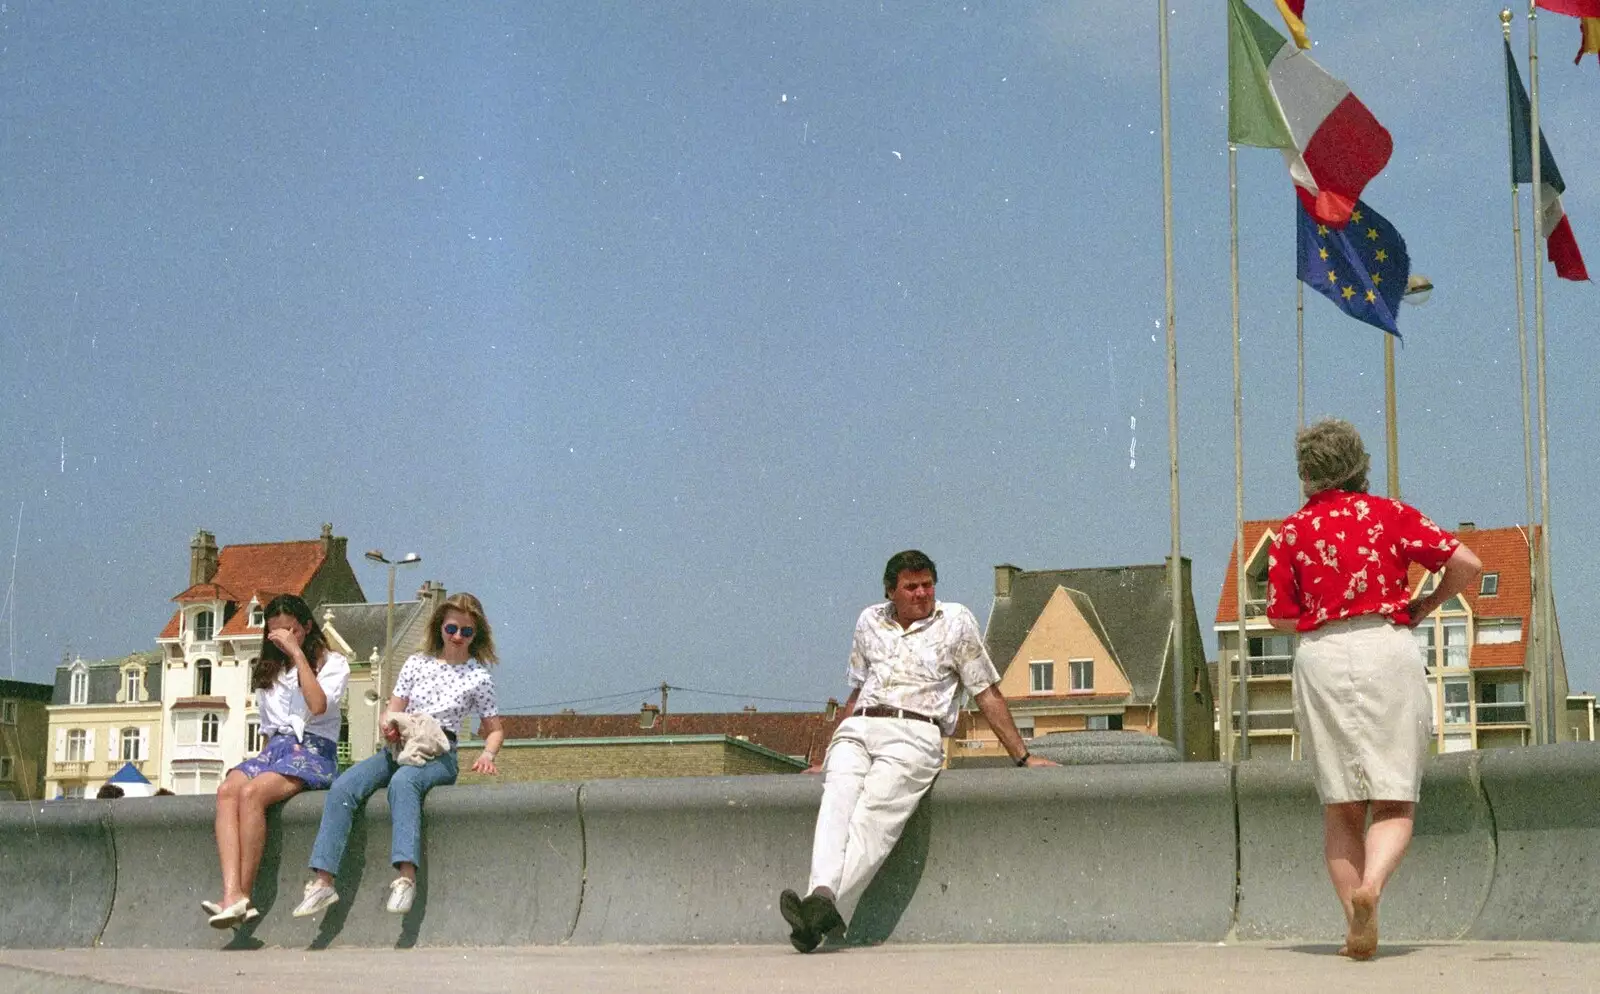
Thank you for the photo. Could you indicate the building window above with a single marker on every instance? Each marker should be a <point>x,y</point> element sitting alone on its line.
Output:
<point>80,686</point>
<point>1489,585</point>
<point>1423,633</point>
<point>252,736</point>
<point>1103,723</point>
<point>1457,701</point>
<point>1501,704</point>
<point>202,678</point>
<point>130,745</point>
<point>131,682</point>
<point>5,768</point>
<point>77,746</point>
<point>210,728</point>
<point>1042,677</point>
<point>1493,631</point>
<point>1082,674</point>
<point>258,616</point>
<point>1455,641</point>
<point>1271,655</point>
<point>8,712</point>
<point>1025,728</point>
<point>205,626</point>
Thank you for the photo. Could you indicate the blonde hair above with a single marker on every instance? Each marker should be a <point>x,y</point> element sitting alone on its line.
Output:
<point>482,647</point>
<point>1329,455</point>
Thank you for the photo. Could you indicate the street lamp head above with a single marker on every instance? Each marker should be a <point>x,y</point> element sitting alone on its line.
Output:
<point>411,557</point>
<point>1418,289</point>
<point>376,556</point>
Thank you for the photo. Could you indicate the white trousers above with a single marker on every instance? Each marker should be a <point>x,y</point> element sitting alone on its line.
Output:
<point>876,771</point>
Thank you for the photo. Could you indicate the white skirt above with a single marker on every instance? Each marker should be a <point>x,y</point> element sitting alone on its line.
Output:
<point>1362,706</point>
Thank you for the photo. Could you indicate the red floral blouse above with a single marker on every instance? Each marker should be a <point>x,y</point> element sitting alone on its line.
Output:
<point>1345,554</point>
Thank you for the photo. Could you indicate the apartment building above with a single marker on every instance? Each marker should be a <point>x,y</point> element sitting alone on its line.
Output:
<point>24,735</point>
<point>103,714</point>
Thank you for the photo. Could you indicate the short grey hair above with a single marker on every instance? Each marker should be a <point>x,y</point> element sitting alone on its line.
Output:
<point>1330,456</point>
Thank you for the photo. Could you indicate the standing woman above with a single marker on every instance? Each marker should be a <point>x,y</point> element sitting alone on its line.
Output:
<point>299,684</point>
<point>1337,576</point>
<point>449,681</point>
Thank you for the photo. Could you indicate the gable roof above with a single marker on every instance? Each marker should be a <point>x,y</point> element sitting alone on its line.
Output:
<point>1228,602</point>
<point>802,734</point>
<point>261,570</point>
<point>1130,608</point>
<point>362,626</point>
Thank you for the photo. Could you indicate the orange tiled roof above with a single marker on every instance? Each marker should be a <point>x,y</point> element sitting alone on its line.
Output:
<point>1228,603</point>
<point>793,733</point>
<point>284,567</point>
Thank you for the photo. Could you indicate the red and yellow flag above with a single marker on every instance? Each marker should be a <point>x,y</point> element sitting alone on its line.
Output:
<point>1589,40</point>
<point>1293,12</point>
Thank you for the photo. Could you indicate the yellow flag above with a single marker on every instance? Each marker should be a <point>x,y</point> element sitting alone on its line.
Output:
<point>1291,11</point>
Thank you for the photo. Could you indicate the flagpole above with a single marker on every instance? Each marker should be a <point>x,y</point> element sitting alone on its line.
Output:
<point>1391,429</point>
<point>1546,602</point>
<point>1242,655</point>
<point>1522,350</point>
<point>1300,349</point>
<point>1175,565</point>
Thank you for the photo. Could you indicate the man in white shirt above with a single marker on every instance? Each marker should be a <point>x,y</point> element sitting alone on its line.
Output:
<point>911,657</point>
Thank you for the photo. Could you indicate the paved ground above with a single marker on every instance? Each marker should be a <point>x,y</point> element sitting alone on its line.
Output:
<point>1151,969</point>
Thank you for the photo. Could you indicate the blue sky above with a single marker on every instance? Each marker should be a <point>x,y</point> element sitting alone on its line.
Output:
<point>661,326</point>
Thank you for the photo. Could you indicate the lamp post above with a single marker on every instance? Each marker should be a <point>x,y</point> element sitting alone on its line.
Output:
<point>410,559</point>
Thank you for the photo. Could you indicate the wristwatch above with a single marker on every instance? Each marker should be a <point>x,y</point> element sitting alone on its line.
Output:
<point>1023,759</point>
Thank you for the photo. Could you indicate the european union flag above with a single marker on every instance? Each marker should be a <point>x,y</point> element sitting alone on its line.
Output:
<point>1362,267</point>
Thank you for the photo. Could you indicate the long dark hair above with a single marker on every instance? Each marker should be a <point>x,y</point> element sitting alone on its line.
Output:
<point>272,660</point>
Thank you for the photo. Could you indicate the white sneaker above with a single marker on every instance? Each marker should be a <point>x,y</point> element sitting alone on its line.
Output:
<point>401,891</point>
<point>319,897</point>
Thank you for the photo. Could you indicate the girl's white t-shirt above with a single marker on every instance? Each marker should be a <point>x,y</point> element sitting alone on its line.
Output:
<point>281,701</point>
<point>446,691</point>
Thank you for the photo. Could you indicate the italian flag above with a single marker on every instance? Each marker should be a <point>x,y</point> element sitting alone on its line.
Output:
<point>1279,98</point>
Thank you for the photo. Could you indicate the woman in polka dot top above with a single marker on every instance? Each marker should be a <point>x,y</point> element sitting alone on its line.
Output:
<point>448,681</point>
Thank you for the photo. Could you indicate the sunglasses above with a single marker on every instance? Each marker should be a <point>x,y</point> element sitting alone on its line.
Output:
<point>465,632</point>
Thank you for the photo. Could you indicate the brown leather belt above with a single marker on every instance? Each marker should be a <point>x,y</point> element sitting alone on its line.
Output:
<point>878,711</point>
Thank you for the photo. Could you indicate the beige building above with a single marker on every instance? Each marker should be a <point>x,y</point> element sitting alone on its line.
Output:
<point>24,739</point>
<point>627,756</point>
<point>1484,671</point>
<point>211,643</point>
<point>1091,650</point>
<point>103,714</point>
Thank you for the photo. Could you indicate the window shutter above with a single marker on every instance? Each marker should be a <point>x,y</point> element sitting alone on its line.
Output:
<point>88,745</point>
<point>61,745</point>
<point>144,742</point>
<point>114,744</point>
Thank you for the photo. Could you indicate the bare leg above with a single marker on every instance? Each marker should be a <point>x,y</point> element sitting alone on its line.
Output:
<point>227,832</point>
<point>264,791</point>
<point>1343,846</point>
<point>1386,843</point>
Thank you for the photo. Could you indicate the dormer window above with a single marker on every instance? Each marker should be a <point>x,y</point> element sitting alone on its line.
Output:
<point>205,626</point>
<point>132,679</point>
<point>258,615</point>
<point>79,688</point>
<point>1489,585</point>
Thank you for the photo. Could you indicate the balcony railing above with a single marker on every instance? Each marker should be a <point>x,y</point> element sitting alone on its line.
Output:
<point>1502,714</point>
<point>1255,608</point>
<point>70,768</point>
<point>1268,721</point>
<point>1271,666</point>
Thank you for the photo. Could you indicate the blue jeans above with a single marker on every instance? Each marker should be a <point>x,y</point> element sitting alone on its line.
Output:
<point>407,786</point>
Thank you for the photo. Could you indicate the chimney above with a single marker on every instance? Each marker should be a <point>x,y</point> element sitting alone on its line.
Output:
<point>1003,575</point>
<point>335,548</point>
<point>1466,526</point>
<point>202,558</point>
<point>832,710</point>
<point>648,713</point>
<point>431,593</point>
<point>749,709</point>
